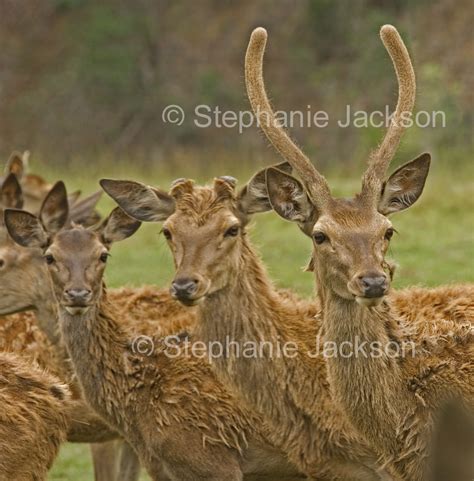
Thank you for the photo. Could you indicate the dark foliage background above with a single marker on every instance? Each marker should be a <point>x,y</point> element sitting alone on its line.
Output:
<point>89,78</point>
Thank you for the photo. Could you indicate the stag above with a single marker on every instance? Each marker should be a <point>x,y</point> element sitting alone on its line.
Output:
<point>390,400</point>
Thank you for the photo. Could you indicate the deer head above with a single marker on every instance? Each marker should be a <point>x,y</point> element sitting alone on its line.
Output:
<point>350,236</point>
<point>74,256</point>
<point>205,227</point>
<point>34,187</point>
<point>23,270</point>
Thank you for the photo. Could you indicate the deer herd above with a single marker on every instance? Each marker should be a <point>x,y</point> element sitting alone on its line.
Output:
<point>69,370</point>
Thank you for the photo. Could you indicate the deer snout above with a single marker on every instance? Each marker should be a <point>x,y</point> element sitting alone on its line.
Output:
<point>183,288</point>
<point>369,287</point>
<point>78,297</point>
<point>373,285</point>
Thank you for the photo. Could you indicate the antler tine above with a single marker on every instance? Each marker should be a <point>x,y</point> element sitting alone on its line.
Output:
<point>382,156</point>
<point>315,183</point>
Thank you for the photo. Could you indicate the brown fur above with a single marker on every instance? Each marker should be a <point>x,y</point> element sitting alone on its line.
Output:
<point>33,186</point>
<point>452,302</point>
<point>299,406</point>
<point>453,451</point>
<point>33,420</point>
<point>390,400</point>
<point>381,157</point>
<point>20,333</point>
<point>150,400</point>
<point>235,298</point>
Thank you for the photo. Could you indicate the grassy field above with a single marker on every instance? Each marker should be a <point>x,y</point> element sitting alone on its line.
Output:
<point>434,246</point>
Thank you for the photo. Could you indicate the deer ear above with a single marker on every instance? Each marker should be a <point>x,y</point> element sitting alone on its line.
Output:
<point>25,229</point>
<point>139,201</point>
<point>253,197</point>
<point>11,194</point>
<point>404,186</point>
<point>83,211</point>
<point>15,165</point>
<point>288,198</point>
<point>54,212</point>
<point>118,226</point>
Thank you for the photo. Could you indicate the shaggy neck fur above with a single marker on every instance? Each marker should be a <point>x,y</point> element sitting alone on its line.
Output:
<point>97,345</point>
<point>372,389</point>
<point>367,385</point>
<point>290,391</point>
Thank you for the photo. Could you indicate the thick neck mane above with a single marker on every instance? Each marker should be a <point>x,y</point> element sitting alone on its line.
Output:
<point>98,347</point>
<point>262,313</point>
<point>391,388</point>
<point>289,387</point>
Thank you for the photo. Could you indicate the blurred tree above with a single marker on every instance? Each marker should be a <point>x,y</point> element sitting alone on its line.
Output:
<point>79,76</point>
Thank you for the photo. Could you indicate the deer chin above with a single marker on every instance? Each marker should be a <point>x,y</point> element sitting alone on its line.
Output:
<point>369,301</point>
<point>191,302</point>
<point>76,310</point>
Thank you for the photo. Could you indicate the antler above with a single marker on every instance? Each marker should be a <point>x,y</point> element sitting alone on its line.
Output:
<point>381,157</point>
<point>315,183</point>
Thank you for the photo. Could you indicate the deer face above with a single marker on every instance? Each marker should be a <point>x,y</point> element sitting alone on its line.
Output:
<point>204,227</point>
<point>350,236</point>
<point>205,248</point>
<point>349,247</point>
<point>74,256</point>
<point>76,260</point>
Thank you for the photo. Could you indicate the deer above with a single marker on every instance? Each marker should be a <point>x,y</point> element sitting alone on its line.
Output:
<point>36,337</point>
<point>33,419</point>
<point>148,400</point>
<point>391,400</point>
<point>217,270</point>
<point>219,273</point>
<point>34,189</point>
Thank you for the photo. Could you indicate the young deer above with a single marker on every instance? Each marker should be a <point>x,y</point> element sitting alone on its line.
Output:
<point>34,189</point>
<point>33,420</point>
<point>181,421</point>
<point>390,400</point>
<point>22,288</point>
<point>20,331</point>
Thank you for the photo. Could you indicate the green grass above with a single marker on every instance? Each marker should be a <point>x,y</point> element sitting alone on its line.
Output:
<point>434,246</point>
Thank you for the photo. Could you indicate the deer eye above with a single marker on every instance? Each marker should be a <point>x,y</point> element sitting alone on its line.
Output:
<point>320,237</point>
<point>104,257</point>
<point>389,233</point>
<point>49,259</point>
<point>167,233</point>
<point>232,231</point>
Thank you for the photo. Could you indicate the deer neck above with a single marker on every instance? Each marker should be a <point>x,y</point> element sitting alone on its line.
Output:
<point>41,299</point>
<point>97,347</point>
<point>249,313</point>
<point>47,316</point>
<point>246,309</point>
<point>366,381</point>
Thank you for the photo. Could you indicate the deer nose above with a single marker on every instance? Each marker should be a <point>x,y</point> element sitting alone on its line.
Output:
<point>3,263</point>
<point>79,296</point>
<point>184,288</point>
<point>374,285</point>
